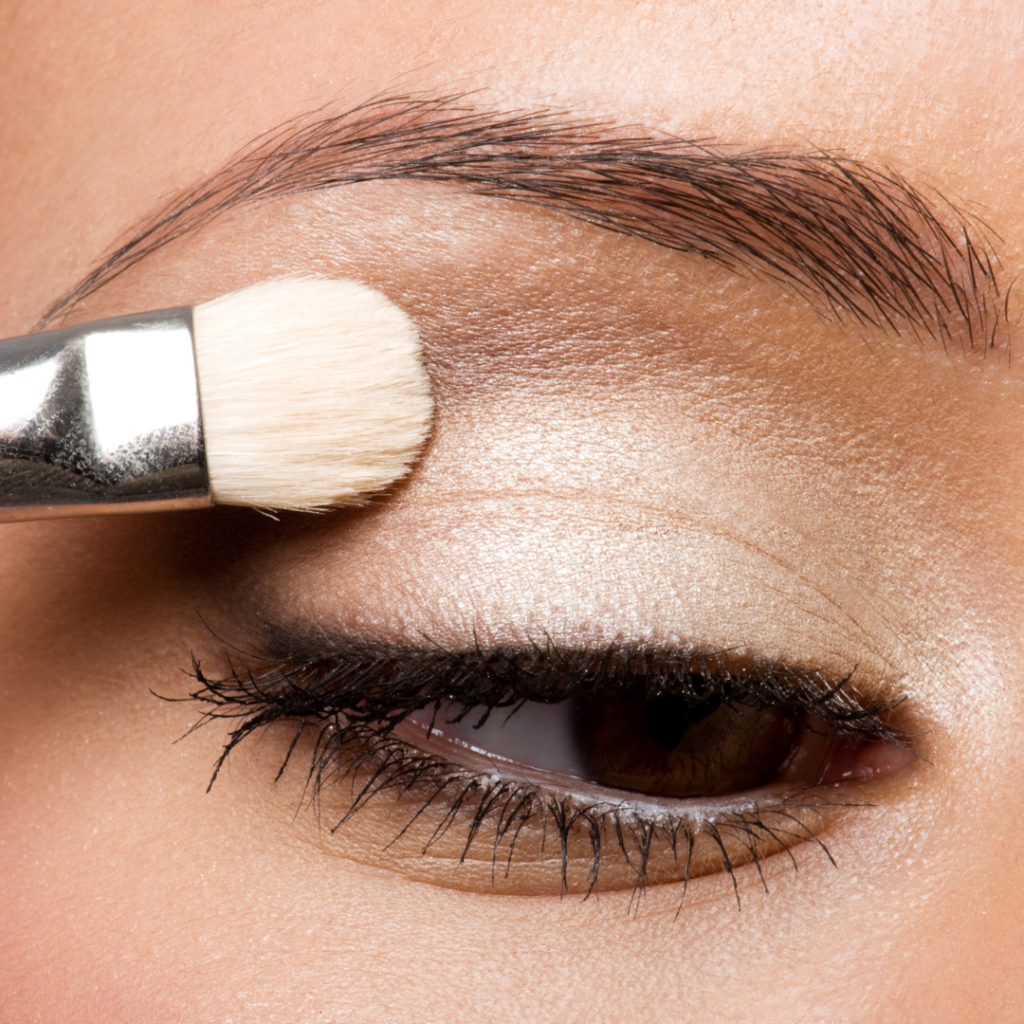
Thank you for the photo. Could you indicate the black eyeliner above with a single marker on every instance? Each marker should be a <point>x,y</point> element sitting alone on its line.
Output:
<point>374,682</point>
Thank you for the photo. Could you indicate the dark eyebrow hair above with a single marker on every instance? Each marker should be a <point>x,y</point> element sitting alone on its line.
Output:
<point>859,243</point>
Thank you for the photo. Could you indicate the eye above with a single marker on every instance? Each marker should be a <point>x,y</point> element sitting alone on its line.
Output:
<point>672,746</point>
<point>540,770</point>
<point>664,746</point>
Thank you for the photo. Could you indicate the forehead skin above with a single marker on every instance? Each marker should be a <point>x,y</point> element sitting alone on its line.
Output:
<point>130,896</point>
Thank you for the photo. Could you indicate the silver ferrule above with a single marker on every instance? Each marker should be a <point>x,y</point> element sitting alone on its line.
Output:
<point>102,417</point>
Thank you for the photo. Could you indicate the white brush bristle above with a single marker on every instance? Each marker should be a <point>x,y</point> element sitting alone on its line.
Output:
<point>313,393</point>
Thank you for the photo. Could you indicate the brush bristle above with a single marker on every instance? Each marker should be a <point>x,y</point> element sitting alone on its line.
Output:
<point>313,393</point>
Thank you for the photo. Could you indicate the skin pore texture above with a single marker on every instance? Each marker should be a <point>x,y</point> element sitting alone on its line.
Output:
<point>632,444</point>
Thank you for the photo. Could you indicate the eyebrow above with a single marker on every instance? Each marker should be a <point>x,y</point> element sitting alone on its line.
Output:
<point>859,243</point>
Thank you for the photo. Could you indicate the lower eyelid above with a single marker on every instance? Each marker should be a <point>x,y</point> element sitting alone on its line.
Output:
<point>578,838</point>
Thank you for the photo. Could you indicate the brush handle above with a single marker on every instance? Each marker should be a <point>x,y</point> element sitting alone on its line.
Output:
<point>102,417</point>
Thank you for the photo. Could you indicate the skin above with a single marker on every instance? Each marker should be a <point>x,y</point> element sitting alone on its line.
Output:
<point>629,443</point>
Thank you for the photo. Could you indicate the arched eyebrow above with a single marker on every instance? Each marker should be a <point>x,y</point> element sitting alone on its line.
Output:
<point>860,243</point>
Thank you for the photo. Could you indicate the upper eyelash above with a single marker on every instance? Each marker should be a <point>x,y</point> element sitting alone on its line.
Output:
<point>381,682</point>
<point>357,691</point>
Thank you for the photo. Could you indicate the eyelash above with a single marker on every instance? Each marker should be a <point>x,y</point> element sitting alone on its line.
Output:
<point>356,695</point>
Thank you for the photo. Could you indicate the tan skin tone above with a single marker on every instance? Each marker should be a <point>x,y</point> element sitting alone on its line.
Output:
<point>629,443</point>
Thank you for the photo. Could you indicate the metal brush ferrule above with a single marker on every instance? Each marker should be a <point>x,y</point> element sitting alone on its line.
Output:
<point>102,417</point>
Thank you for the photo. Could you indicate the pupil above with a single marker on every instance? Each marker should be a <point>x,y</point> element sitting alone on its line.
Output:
<point>668,718</point>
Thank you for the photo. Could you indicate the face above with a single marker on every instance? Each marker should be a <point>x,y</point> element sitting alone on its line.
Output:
<point>761,487</point>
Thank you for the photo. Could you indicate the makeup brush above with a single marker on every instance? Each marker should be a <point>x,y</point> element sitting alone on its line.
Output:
<point>299,393</point>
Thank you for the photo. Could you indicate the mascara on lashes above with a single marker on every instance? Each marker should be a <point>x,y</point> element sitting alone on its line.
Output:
<point>350,704</point>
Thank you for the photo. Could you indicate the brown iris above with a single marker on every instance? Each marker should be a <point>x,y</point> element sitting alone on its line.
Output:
<point>675,746</point>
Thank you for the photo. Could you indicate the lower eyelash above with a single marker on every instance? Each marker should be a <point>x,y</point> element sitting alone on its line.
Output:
<point>501,808</point>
